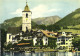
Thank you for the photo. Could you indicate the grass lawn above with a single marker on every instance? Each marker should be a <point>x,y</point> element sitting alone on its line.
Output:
<point>70,30</point>
<point>76,26</point>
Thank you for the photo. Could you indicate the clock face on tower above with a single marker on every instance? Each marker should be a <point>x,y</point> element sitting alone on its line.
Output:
<point>26,19</point>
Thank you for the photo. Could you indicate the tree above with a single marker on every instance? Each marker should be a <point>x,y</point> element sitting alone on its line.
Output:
<point>52,42</point>
<point>18,37</point>
<point>65,27</point>
<point>3,38</point>
<point>9,46</point>
<point>42,27</point>
<point>76,42</point>
<point>53,27</point>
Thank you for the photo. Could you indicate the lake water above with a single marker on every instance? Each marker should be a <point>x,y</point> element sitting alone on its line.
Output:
<point>42,54</point>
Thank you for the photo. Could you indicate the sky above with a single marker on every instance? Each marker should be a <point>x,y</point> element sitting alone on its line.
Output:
<point>39,8</point>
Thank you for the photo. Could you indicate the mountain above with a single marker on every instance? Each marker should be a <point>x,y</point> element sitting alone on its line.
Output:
<point>13,22</point>
<point>46,20</point>
<point>71,22</point>
<point>71,19</point>
<point>17,21</point>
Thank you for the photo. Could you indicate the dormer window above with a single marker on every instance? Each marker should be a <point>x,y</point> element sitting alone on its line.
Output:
<point>26,15</point>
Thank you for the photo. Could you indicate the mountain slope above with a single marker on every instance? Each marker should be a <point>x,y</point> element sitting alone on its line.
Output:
<point>46,20</point>
<point>71,19</point>
<point>17,21</point>
<point>13,22</point>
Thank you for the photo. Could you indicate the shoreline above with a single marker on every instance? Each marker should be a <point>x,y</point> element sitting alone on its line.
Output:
<point>39,51</point>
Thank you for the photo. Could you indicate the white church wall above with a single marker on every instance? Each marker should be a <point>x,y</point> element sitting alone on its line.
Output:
<point>9,38</point>
<point>26,21</point>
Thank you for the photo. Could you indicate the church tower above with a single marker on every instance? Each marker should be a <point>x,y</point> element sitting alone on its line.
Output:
<point>26,18</point>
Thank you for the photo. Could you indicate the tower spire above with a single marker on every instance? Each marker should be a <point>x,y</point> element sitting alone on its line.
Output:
<point>26,7</point>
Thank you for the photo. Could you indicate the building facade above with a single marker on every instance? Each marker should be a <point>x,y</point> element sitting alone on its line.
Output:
<point>64,41</point>
<point>40,39</point>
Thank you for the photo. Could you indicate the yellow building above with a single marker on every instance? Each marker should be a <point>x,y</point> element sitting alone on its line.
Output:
<point>64,41</point>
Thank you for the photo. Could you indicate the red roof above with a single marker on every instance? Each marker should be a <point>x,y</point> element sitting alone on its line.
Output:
<point>23,44</point>
<point>47,33</point>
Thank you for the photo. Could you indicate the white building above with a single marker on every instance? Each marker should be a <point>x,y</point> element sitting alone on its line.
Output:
<point>40,39</point>
<point>37,41</point>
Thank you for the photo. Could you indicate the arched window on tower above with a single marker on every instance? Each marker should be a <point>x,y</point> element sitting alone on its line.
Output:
<point>26,15</point>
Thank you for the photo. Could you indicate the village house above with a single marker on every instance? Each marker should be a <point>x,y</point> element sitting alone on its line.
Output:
<point>64,41</point>
<point>42,37</point>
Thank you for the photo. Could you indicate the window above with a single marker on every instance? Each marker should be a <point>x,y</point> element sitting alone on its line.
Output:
<point>72,37</point>
<point>13,39</point>
<point>66,43</point>
<point>26,15</point>
<point>46,43</point>
<point>66,39</point>
<point>40,34</point>
<point>58,40</point>
<point>36,39</point>
<point>40,39</point>
<point>63,47</point>
<point>9,36</point>
<point>35,43</point>
<point>28,37</point>
<point>63,42</point>
<point>58,43</point>
<point>26,29</point>
<point>46,39</point>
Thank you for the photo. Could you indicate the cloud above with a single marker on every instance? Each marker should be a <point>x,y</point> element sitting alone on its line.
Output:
<point>54,10</point>
<point>18,12</point>
<point>38,11</point>
<point>41,10</point>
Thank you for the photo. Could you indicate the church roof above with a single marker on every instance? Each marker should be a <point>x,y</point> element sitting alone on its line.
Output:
<point>14,30</point>
<point>26,8</point>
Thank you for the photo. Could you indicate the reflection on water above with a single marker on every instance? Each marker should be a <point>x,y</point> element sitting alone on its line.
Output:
<point>41,54</point>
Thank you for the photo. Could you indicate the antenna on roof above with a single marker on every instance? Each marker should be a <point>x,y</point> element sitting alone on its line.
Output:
<point>26,1</point>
